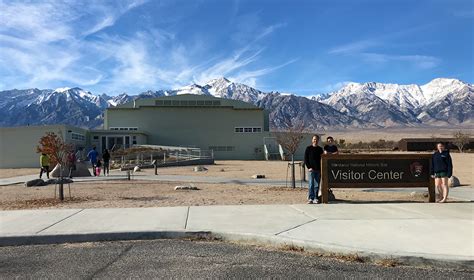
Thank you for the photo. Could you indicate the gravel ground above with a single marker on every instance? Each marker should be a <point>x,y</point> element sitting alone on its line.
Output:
<point>181,259</point>
<point>121,194</point>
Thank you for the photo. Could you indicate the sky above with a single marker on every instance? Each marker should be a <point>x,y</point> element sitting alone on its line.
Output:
<point>295,46</point>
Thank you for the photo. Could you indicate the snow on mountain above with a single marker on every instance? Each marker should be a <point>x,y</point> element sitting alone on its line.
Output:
<point>291,110</point>
<point>394,104</point>
<point>439,102</point>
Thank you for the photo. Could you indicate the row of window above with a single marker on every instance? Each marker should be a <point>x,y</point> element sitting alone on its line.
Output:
<point>187,102</point>
<point>124,128</point>
<point>222,148</point>
<point>248,129</point>
<point>77,136</point>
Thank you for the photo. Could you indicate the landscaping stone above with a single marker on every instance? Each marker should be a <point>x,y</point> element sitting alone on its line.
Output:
<point>186,187</point>
<point>57,181</point>
<point>35,183</point>
<point>258,176</point>
<point>137,169</point>
<point>199,168</point>
<point>453,182</point>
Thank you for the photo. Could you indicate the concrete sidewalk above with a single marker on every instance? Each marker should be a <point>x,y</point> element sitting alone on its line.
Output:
<point>414,233</point>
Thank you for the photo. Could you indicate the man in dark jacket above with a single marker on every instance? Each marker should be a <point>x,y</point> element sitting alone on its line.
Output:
<point>442,169</point>
<point>106,158</point>
<point>312,160</point>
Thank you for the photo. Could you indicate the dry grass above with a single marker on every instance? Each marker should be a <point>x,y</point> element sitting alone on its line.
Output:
<point>13,172</point>
<point>388,263</point>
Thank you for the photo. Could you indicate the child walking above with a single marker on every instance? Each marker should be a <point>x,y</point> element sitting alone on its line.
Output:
<point>97,167</point>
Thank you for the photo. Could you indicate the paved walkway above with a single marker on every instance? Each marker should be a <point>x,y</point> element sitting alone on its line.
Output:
<point>422,233</point>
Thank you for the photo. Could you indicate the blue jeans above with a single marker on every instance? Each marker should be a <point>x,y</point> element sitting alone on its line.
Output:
<point>314,177</point>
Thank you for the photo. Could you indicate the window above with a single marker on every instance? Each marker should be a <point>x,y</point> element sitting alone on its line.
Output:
<point>222,148</point>
<point>248,129</point>
<point>96,137</point>
<point>123,128</point>
<point>77,136</point>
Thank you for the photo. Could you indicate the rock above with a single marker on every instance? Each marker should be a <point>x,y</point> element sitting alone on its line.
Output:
<point>199,168</point>
<point>57,181</point>
<point>453,182</point>
<point>81,170</point>
<point>413,194</point>
<point>136,169</point>
<point>258,176</point>
<point>222,170</point>
<point>35,183</point>
<point>425,194</point>
<point>188,187</point>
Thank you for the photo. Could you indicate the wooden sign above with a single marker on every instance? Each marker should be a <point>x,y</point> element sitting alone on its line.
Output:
<point>376,171</point>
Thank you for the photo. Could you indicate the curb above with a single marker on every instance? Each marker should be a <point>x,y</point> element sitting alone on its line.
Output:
<point>439,261</point>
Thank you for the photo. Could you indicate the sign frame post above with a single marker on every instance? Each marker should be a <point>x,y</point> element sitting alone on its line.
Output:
<point>325,168</point>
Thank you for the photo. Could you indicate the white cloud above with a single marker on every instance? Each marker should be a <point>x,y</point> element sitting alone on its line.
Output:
<point>354,47</point>
<point>419,61</point>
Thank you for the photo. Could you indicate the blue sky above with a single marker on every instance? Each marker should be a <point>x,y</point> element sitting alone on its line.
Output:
<point>302,47</point>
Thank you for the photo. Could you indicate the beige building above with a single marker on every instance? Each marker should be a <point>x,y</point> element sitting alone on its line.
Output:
<point>232,129</point>
<point>18,144</point>
<point>228,129</point>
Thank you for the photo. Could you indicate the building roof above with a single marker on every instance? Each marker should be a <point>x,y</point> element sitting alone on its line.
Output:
<point>436,139</point>
<point>187,100</point>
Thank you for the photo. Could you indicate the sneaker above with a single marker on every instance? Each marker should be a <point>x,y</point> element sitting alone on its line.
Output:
<point>316,201</point>
<point>310,201</point>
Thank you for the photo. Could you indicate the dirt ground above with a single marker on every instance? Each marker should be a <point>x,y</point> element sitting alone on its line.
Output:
<point>14,172</point>
<point>123,194</point>
<point>274,170</point>
<point>138,193</point>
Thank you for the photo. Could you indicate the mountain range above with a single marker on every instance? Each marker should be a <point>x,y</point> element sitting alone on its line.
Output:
<point>441,102</point>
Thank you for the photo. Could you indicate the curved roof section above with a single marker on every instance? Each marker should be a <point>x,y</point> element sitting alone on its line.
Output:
<point>187,100</point>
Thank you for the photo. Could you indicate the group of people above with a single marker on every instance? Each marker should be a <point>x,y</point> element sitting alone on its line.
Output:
<point>72,158</point>
<point>441,171</point>
<point>97,163</point>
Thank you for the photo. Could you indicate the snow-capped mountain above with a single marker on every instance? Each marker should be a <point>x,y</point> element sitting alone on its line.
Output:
<point>439,102</point>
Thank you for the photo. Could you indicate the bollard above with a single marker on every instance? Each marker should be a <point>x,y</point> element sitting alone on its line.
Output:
<point>128,175</point>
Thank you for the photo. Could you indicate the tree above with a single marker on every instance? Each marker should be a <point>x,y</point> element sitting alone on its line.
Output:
<point>460,140</point>
<point>290,140</point>
<point>54,146</point>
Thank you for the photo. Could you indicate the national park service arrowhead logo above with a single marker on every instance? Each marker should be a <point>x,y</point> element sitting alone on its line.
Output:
<point>416,169</point>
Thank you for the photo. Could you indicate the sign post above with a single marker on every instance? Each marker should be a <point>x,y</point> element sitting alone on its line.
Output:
<point>376,171</point>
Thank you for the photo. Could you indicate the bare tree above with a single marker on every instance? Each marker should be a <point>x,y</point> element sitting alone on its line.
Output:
<point>460,140</point>
<point>290,140</point>
<point>54,146</point>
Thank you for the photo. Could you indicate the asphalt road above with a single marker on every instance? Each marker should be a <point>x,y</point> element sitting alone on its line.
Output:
<point>189,259</point>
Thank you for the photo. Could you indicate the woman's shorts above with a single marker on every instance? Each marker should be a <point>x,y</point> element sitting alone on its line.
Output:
<point>441,174</point>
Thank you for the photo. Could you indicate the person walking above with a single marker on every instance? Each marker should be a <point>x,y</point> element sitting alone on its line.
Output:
<point>92,156</point>
<point>442,169</point>
<point>44,163</point>
<point>106,158</point>
<point>71,162</point>
<point>97,168</point>
<point>312,160</point>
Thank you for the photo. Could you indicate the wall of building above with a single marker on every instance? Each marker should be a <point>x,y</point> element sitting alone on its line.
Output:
<point>202,127</point>
<point>18,144</point>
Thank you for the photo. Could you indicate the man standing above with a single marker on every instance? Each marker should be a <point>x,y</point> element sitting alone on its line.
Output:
<point>92,155</point>
<point>312,160</point>
<point>330,148</point>
<point>106,158</point>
